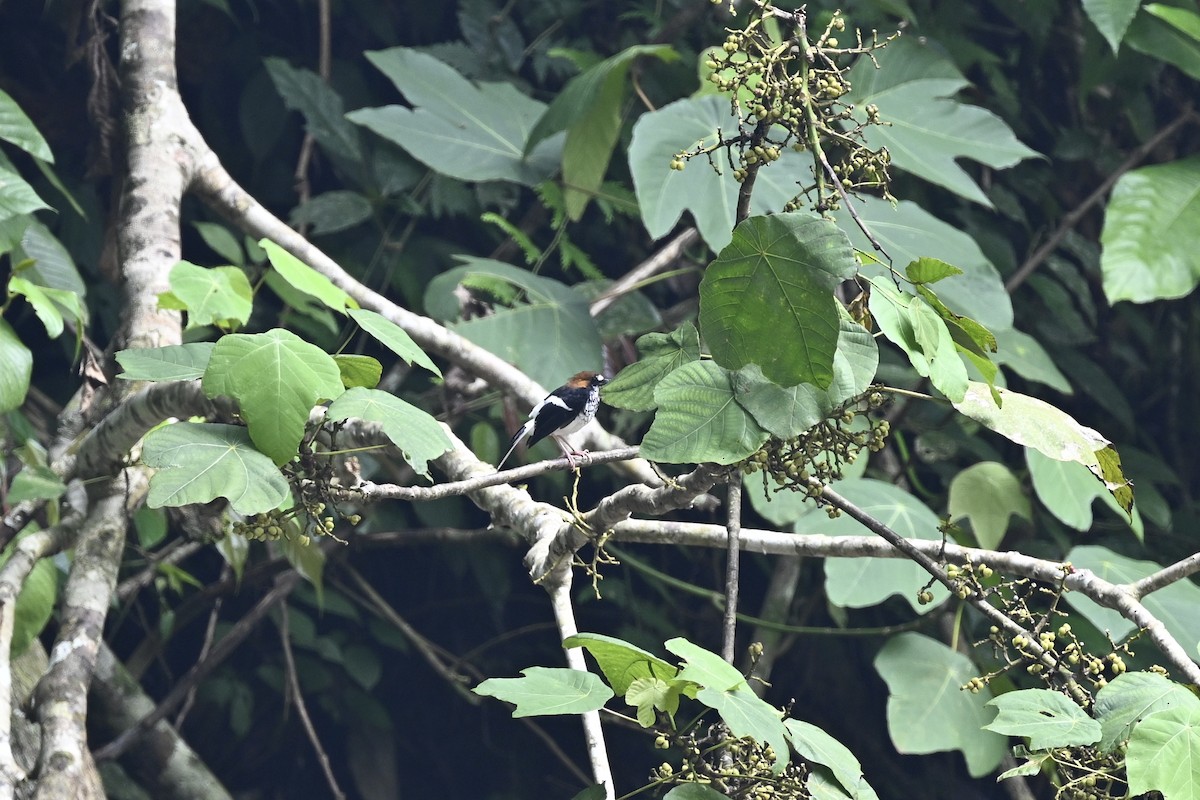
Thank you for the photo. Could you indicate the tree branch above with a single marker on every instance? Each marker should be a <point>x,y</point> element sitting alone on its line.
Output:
<point>215,187</point>
<point>733,530</point>
<point>224,648</point>
<point>66,765</point>
<point>372,492</point>
<point>161,762</point>
<point>1167,575</point>
<point>667,255</point>
<point>558,585</point>
<point>1073,217</point>
<point>1084,581</point>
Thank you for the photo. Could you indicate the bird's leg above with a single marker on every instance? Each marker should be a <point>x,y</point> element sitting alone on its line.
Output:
<point>569,451</point>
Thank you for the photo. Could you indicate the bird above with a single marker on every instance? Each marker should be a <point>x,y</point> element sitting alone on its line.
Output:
<point>564,411</point>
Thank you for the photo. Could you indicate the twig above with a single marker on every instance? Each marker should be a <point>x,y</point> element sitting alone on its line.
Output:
<point>173,553</point>
<point>371,492</point>
<point>1167,575</point>
<point>667,255</point>
<point>733,529</point>
<point>427,649</point>
<point>1072,217</point>
<point>324,68</point>
<point>437,657</point>
<point>1114,596</point>
<point>210,632</point>
<point>224,648</point>
<point>289,662</point>
<point>746,189</point>
<point>770,627</point>
<point>848,204</point>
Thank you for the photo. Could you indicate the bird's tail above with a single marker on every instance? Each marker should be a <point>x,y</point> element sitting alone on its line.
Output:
<point>521,433</point>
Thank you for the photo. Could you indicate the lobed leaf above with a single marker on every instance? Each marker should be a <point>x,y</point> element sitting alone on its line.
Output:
<point>544,691</point>
<point>418,435</point>
<point>469,131</point>
<point>927,710</point>
<point>699,419</point>
<point>176,362</point>
<point>196,463</point>
<point>1047,718</point>
<point>276,378</point>
<point>768,297</point>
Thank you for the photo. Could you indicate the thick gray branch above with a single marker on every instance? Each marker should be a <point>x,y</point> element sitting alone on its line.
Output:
<point>1114,596</point>
<point>162,763</point>
<point>66,768</point>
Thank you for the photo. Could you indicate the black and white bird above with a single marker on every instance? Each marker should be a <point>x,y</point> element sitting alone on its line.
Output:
<point>564,411</point>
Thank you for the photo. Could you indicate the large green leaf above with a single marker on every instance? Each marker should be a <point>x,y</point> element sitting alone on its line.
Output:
<point>661,354</point>
<point>1168,33</point>
<point>704,667</point>
<point>393,337</point>
<point>35,605</point>
<point>1152,233</point>
<point>908,232</point>
<point>418,435</point>
<point>35,482</point>
<point>912,324</point>
<point>1111,18</point>
<point>324,114</point>
<point>1164,754</point>
<point>864,582</point>
<point>726,691</point>
<point>709,192</point>
<point>472,132</point>
<point>16,128</point>
<point>43,306</point>
<point>589,109</point>
<point>987,494</point>
<point>16,196</point>
<point>545,691</point>
<point>927,710</point>
<point>1133,696</point>
<point>52,266</point>
<point>16,368</point>
<point>358,371</point>
<point>817,747</point>
<point>331,212</point>
<point>789,411</point>
<point>218,296</point>
<point>276,378</point>
<point>196,463</point>
<point>1049,719</point>
<point>305,279</point>
<point>699,419</point>
<point>1174,605</point>
<point>926,130</point>
<point>621,662</point>
<point>1025,356</point>
<point>177,362</point>
<point>768,297</point>
<point>705,188</point>
<point>1037,424</point>
<point>550,335</point>
<point>1067,490</point>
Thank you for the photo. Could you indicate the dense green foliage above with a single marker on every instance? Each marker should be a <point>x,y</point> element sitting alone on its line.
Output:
<point>963,357</point>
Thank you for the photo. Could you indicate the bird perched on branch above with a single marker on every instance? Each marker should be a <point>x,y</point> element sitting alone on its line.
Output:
<point>564,411</point>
